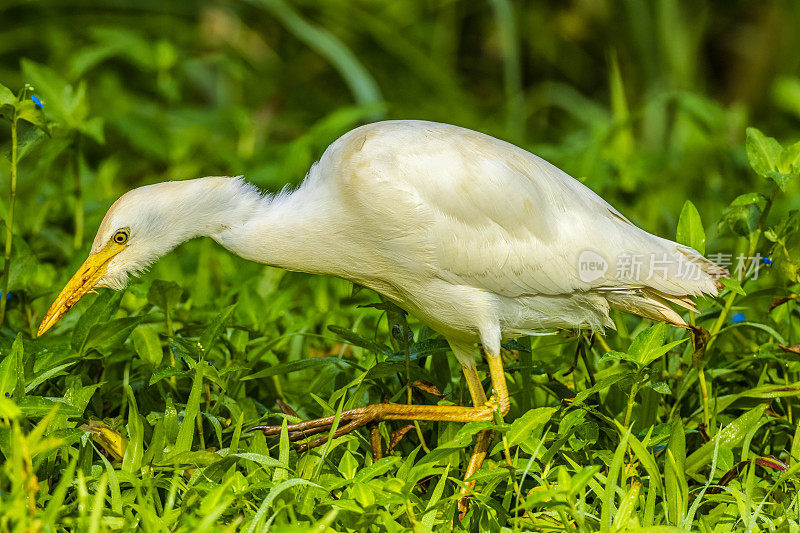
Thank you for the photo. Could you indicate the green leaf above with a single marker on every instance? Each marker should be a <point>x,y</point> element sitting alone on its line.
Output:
<point>18,369</point>
<point>7,112</point>
<point>55,505</point>
<point>68,104</point>
<point>790,159</point>
<point>385,369</point>
<point>743,213</point>
<point>44,376</point>
<point>296,366</point>
<point>7,103</point>
<point>113,479</point>
<point>357,340</point>
<point>781,179</point>
<point>648,339</point>
<point>37,406</point>
<point>258,520</point>
<point>763,327</point>
<point>762,152</point>
<point>733,285</point>
<point>677,488</point>
<point>428,519</point>
<point>164,294</point>
<point>93,128</point>
<point>363,86</point>
<point>649,344</point>
<point>6,96</point>
<point>9,409</point>
<point>661,387</point>
<point>601,385</point>
<point>187,428</point>
<point>623,514</point>
<point>8,375</point>
<point>728,437</point>
<point>263,460</point>
<point>378,468</point>
<point>147,345</point>
<point>645,457</point>
<point>132,460</point>
<point>612,480</point>
<point>524,426</point>
<point>742,220</point>
<point>78,396</point>
<point>105,304</point>
<point>30,112</point>
<point>108,336</point>
<point>215,328</point>
<point>195,458</point>
<point>582,478</point>
<point>615,354</point>
<point>690,228</point>
<point>749,198</point>
<point>772,391</point>
<point>166,372</point>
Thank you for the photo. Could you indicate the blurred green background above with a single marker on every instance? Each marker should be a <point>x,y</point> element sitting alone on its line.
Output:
<point>645,101</point>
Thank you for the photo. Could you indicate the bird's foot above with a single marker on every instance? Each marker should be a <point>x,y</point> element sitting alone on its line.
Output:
<point>348,421</point>
<point>359,417</point>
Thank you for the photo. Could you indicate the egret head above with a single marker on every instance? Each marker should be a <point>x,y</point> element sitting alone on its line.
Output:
<point>140,227</point>
<point>148,222</point>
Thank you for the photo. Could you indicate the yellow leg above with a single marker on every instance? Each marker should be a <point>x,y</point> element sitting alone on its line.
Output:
<point>482,443</point>
<point>481,411</point>
<point>356,418</point>
<point>498,376</point>
<point>474,384</point>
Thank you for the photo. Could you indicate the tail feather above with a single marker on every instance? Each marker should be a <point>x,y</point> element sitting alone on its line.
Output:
<point>714,271</point>
<point>648,304</point>
<point>653,302</point>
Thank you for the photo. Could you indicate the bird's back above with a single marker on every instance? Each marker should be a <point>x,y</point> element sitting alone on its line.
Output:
<point>452,220</point>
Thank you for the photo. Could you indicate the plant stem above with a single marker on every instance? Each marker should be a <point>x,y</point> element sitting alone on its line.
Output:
<point>507,452</point>
<point>755,238</point>
<point>631,397</point>
<point>701,375</point>
<point>407,351</point>
<point>409,387</point>
<point>9,221</point>
<point>168,320</point>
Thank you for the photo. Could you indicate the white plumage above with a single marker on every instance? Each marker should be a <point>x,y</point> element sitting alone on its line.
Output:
<point>478,238</point>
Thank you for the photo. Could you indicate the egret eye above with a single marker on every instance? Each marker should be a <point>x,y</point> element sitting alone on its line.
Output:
<point>120,237</point>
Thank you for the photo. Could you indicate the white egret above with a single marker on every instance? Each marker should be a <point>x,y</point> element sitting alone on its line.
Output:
<point>480,239</point>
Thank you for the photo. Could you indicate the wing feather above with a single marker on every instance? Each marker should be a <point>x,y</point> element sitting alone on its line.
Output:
<point>487,214</point>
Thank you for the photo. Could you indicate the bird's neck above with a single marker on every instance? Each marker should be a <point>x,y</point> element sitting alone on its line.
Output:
<point>290,230</point>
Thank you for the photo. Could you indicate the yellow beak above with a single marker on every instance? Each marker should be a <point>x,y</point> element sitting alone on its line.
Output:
<point>88,275</point>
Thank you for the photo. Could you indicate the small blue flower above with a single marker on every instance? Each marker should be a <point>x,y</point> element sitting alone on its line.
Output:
<point>37,101</point>
<point>8,296</point>
<point>738,317</point>
<point>767,261</point>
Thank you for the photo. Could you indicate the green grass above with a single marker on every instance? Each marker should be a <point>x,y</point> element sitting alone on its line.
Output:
<point>133,412</point>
